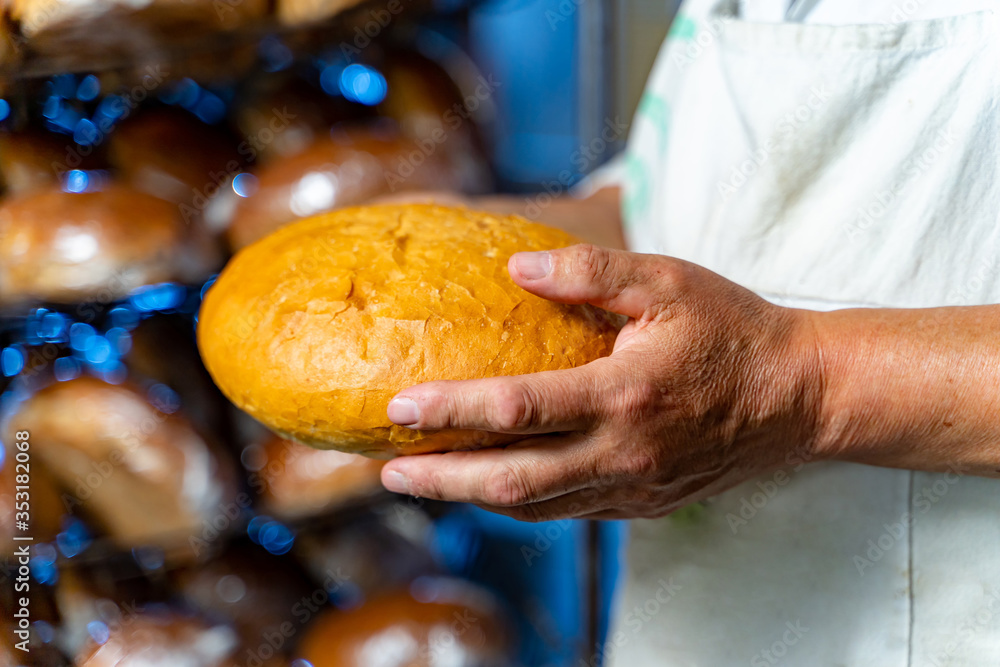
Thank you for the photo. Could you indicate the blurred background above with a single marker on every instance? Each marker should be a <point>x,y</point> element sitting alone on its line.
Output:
<point>142,142</point>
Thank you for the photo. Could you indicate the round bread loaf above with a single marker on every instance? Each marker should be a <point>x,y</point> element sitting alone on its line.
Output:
<point>312,330</point>
<point>453,623</point>
<point>67,247</point>
<point>161,638</point>
<point>173,156</point>
<point>165,481</point>
<point>32,160</point>
<point>296,481</point>
<point>346,169</point>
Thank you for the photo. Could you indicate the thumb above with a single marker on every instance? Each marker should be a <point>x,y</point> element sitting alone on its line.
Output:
<point>622,282</point>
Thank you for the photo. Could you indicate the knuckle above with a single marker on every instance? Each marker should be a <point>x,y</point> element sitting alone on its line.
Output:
<point>513,408</point>
<point>639,398</point>
<point>507,488</point>
<point>430,486</point>
<point>640,466</point>
<point>591,260</point>
<point>671,273</point>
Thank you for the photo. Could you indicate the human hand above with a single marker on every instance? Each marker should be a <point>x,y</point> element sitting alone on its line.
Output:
<point>708,385</point>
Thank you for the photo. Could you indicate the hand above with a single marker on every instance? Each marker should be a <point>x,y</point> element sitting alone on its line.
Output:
<point>707,386</point>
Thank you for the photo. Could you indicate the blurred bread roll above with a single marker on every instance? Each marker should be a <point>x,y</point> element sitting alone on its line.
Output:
<point>281,114</point>
<point>256,592</point>
<point>172,155</point>
<point>345,169</point>
<point>455,624</point>
<point>144,475</point>
<point>300,12</point>
<point>31,160</point>
<point>161,639</point>
<point>369,552</point>
<point>97,35</point>
<point>38,17</point>
<point>314,329</point>
<point>46,507</point>
<point>68,247</point>
<point>296,481</point>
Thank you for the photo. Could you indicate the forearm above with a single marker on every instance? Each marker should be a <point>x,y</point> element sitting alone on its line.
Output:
<point>917,389</point>
<point>596,219</point>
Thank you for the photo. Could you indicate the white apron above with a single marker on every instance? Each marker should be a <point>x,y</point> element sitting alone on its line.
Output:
<point>822,166</point>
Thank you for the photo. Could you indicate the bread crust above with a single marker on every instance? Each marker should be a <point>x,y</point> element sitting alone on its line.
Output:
<point>313,329</point>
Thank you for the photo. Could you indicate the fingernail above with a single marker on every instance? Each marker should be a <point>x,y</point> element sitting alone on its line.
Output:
<point>533,265</point>
<point>403,411</point>
<point>397,482</point>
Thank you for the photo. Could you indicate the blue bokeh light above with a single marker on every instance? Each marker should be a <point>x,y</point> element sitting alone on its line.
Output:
<point>98,352</point>
<point>164,398</point>
<point>66,368</point>
<point>44,631</point>
<point>329,78</point>
<point>164,296</point>
<point>85,132</point>
<point>255,525</point>
<point>76,181</point>
<point>11,361</point>
<point>88,89</point>
<point>124,317</point>
<point>111,371</point>
<point>74,538</point>
<point>43,564</point>
<point>363,84</point>
<point>81,336</point>
<point>112,108</point>
<point>52,327</point>
<point>149,558</point>
<point>210,108</point>
<point>120,339</point>
<point>208,283</point>
<point>64,85</point>
<point>187,93</point>
<point>98,631</point>
<point>50,109</point>
<point>245,184</point>
<point>4,109</point>
<point>276,537</point>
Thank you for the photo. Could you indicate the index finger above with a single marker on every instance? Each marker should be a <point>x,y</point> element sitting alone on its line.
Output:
<point>547,402</point>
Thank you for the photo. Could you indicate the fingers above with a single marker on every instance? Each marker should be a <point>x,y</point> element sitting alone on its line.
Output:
<point>563,400</point>
<point>529,472</point>
<point>622,282</point>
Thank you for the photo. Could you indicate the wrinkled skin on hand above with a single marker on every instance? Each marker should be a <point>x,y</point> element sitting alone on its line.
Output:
<point>708,386</point>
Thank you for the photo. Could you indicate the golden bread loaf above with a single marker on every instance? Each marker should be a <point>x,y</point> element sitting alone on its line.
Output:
<point>313,329</point>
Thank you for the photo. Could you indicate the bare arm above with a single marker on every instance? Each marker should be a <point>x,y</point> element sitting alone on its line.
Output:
<point>916,389</point>
<point>708,386</point>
